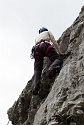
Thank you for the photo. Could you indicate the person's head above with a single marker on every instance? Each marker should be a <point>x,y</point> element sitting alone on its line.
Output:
<point>42,30</point>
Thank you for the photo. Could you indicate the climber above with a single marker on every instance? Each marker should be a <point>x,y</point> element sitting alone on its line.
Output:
<point>45,46</point>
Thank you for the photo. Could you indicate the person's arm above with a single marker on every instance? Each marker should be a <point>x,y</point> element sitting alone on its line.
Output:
<point>55,44</point>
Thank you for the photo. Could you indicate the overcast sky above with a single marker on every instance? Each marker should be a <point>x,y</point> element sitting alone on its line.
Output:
<point>20,21</point>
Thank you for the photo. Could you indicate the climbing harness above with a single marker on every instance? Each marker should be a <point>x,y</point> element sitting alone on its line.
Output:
<point>34,52</point>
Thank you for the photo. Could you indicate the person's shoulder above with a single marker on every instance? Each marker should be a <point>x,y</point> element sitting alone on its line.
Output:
<point>49,32</point>
<point>43,36</point>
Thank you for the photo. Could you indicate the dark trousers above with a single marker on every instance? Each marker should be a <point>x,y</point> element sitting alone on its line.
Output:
<point>42,50</point>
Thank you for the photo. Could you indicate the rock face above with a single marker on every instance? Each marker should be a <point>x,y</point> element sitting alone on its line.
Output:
<point>61,99</point>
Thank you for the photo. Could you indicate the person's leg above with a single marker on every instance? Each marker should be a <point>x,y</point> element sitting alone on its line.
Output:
<point>38,65</point>
<point>55,67</point>
<point>57,62</point>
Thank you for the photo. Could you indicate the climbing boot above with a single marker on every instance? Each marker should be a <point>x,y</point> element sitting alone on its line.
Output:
<point>35,91</point>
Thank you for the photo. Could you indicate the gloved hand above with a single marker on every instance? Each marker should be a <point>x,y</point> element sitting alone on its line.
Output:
<point>64,55</point>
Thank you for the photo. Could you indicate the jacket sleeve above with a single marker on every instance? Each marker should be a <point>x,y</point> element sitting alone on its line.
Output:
<point>54,42</point>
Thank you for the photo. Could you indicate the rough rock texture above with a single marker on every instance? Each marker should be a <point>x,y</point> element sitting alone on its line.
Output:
<point>61,99</point>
